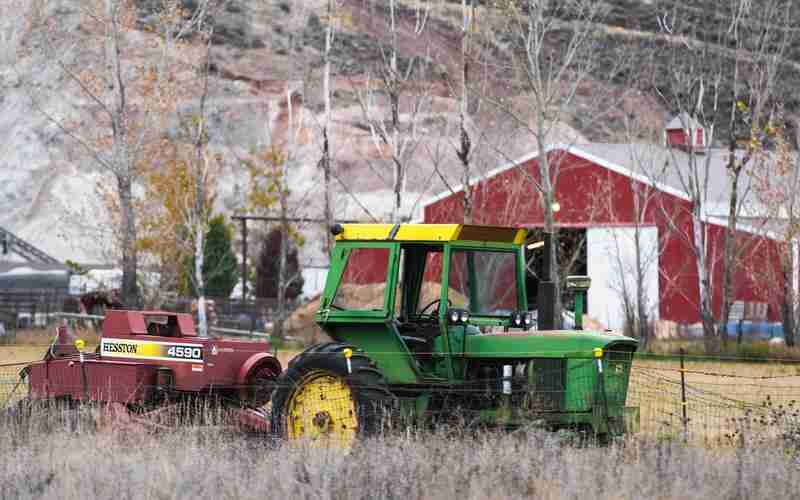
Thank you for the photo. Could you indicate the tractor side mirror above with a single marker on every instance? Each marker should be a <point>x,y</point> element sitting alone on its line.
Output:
<point>579,285</point>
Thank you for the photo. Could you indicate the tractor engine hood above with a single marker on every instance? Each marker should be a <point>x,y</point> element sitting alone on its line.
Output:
<point>550,344</point>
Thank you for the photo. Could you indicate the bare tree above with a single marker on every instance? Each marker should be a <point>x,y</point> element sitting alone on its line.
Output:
<point>766,33</point>
<point>397,136</point>
<point>275,158</point>
<point>777,187</point>
<point>470,143</point>
<point>646,160</point>
<point>726,73</point>
<point>129,102</point>
<point>464,151</point>
<point>198,214</point>
<point>326,162</point>
<point>552,74</point>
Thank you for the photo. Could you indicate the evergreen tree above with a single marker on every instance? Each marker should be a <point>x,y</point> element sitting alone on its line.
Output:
<point>220,270</point>
<point>268,264</point>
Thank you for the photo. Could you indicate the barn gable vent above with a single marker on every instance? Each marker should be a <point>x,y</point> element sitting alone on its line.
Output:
<point>684,132</point>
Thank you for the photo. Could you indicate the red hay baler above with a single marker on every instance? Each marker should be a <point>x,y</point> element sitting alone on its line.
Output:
<point>147,359</point>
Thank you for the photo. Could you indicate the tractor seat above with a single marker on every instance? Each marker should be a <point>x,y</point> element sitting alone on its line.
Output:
<point>417,338</point>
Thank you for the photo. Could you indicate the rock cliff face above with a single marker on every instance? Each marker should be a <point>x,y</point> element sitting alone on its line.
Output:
<point>262,49</point>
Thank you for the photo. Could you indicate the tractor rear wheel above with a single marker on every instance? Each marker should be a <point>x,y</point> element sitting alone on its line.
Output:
<point>319,398</point>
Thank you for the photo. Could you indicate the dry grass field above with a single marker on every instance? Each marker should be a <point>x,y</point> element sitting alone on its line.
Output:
<point>723,398</point>
<point>69,460</point>
<point>58,454</point>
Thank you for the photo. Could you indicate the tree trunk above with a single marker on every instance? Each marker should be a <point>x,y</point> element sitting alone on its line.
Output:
<point>549,222</point>
<point>709,331</point>
<point>325,161</point>
<point>130,288</point>
<point>328,195</point>
<point>394,103</point>
<point>200,286</point>
<point>788,305</point>
<point>282,281</point>
<point>466,143</point>
<point>729,259</point>
<point>284,221</point>
<point>399,170</point>
<point>641,310</point>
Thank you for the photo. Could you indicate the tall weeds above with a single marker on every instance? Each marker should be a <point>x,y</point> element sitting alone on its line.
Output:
<point>61,454</point>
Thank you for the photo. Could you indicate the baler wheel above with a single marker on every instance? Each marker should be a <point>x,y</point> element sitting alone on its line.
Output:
<point>319,400</point>
<point>261,385</point>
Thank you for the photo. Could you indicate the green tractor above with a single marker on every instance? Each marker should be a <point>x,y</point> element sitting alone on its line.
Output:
<point>430,321</point>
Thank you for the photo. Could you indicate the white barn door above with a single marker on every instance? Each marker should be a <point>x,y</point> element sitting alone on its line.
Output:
<point>611,262</point>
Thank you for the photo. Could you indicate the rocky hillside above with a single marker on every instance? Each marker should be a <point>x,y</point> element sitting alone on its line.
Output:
<point>49,188</point>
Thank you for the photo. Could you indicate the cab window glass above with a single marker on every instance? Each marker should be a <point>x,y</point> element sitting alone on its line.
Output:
<point>363,283</point>
<point>419,279</point>
<point>432,282</point>
<point>482,281</point>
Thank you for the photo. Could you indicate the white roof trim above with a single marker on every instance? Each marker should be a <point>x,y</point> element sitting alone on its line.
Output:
<point>628,173</point>
<point>747,228</point>
<point>491,173</point>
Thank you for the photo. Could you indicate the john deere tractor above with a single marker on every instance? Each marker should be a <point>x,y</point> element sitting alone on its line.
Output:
<point>431,321</point>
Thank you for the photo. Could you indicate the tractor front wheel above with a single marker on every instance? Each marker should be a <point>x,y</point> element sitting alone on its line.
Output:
<point>329,399</point>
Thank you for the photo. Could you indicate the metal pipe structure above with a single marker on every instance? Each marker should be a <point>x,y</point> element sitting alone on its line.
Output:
<point>546,300</point>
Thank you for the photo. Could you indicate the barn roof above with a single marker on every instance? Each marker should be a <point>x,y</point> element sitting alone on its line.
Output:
<point>666,169</point>
<point>683,120</point>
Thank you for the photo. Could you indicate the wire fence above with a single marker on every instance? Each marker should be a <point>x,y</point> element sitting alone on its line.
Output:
<point>704,400</point>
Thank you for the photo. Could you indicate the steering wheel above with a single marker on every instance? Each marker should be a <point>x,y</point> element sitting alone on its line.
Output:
<point>431,304</point>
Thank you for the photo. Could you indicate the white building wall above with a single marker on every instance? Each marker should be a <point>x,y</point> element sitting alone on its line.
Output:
<point>611,265</point>
<point>313,281</point>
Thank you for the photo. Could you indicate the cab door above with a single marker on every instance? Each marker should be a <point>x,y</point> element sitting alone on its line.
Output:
<point>357,306</point>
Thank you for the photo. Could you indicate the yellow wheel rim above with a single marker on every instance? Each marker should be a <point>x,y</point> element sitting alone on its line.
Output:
<point>322,411</point>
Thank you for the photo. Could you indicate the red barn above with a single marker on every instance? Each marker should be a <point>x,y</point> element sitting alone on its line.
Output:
<point>608,193</point>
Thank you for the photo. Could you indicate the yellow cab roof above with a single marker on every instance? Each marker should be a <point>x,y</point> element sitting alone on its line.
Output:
<point>431,232</point>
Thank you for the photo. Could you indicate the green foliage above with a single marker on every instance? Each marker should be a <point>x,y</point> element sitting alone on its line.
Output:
<point>220,269</point>
<point>75,267</point>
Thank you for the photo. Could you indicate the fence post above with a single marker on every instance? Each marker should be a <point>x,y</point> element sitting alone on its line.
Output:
<point>684,419</point>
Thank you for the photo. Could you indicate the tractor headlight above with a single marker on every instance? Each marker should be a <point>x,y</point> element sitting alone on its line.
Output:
<point>527,320</point>
<point>454,316</point>
<point>458,316</point>
<point>521,320</point>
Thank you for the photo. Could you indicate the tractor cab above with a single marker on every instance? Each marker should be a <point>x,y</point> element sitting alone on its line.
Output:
<point>412,293</point>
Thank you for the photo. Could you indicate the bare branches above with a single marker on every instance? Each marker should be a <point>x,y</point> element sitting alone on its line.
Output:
<point>396,136</point>
<point>728,81</point>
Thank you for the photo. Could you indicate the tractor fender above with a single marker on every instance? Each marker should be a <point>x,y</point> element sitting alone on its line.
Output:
<point>255,361</point>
